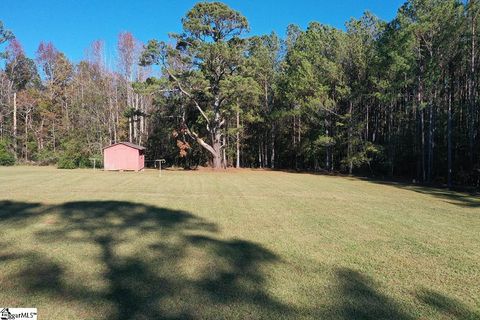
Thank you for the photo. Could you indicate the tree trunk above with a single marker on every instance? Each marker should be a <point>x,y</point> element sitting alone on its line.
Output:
<point>53,136</point>
<point>26,136</point>
<point>116,116</point>
<point>272,146</point>
<point>422,132</point>
<point>260,154</point>
<point>130,120</point>
<point>142,121</point>
<point>471,90</point>
<point>135,117</point>
<point>420,115</point>
<point>40,134</point>
<point>224,153</point>
<point>238,139</point>
<point>349,148</point>
<point>265,151</point>
<point>431,126</point>
<point>217,154</point>
<point>391,146</point>
<point>327,149</point>
<point>295,141</point>
<point>449,131</point>
<point>367,123</point>
<point>15,124</point>
<point>114,130</point>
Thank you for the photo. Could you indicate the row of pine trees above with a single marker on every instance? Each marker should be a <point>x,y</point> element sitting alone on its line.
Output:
<point>394,99</point>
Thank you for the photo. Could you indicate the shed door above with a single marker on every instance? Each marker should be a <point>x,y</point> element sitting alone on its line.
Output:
<point>120,159</point>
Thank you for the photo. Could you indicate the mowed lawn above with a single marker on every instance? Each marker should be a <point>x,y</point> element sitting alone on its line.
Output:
<point>78,244</point>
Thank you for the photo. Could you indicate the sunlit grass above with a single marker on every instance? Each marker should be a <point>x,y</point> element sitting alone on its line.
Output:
<point>249,244</point>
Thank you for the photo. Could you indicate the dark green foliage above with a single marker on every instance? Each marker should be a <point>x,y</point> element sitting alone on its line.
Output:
<point>74,155</point>
<point>7,158</point>
<point>394,99</point>
<point>22,72</point>
<point>46,157</point>
<point>207,68</point>
<point>5,35</point>
<point>214,20</point>
<point>167,136</point>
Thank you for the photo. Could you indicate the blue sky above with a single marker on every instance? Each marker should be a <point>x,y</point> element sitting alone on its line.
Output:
<point>73,24</point>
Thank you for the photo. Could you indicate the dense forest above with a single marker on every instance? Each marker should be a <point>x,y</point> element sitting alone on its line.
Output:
<point>394,99</point>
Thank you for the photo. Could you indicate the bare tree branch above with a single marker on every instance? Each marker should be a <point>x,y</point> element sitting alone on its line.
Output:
<point>200,141</point>
<point>188,94</point>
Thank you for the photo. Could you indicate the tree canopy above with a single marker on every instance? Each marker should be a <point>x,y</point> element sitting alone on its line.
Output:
<point>394,99</point>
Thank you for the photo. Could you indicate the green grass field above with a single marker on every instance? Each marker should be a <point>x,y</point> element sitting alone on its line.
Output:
<point>243,245</point>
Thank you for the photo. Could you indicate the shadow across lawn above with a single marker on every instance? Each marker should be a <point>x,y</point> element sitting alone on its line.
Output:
<point>448,306</point>
<point>358,297</point>
<point>116,260</point>
<point>457,198</point>
<point>361,298</point>
<point>128,260</point>
<point>460,198</point>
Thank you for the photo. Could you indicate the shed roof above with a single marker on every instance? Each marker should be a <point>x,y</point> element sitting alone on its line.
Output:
<point>128,144</point>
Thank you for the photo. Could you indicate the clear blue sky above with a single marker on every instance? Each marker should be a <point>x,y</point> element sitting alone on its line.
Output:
<point>73,24</point>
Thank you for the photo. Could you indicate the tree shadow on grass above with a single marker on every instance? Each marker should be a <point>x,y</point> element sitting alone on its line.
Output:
<point>18,212</point>
<point>123,259</point>
<point>235,272</point>
<point>448,306</point>
<point>452,197</point>
<point>462,199</point>
<point>359,298</point>
<point>457,198</point>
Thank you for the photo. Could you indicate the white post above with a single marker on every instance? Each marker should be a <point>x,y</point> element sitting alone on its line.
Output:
<point>94,160</point>
<point>160,161</point>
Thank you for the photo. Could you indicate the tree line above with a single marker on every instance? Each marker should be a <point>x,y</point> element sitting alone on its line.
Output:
<point>388,99</point>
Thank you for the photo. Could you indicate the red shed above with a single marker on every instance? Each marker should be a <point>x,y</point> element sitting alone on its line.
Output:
<point>124,156</point>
